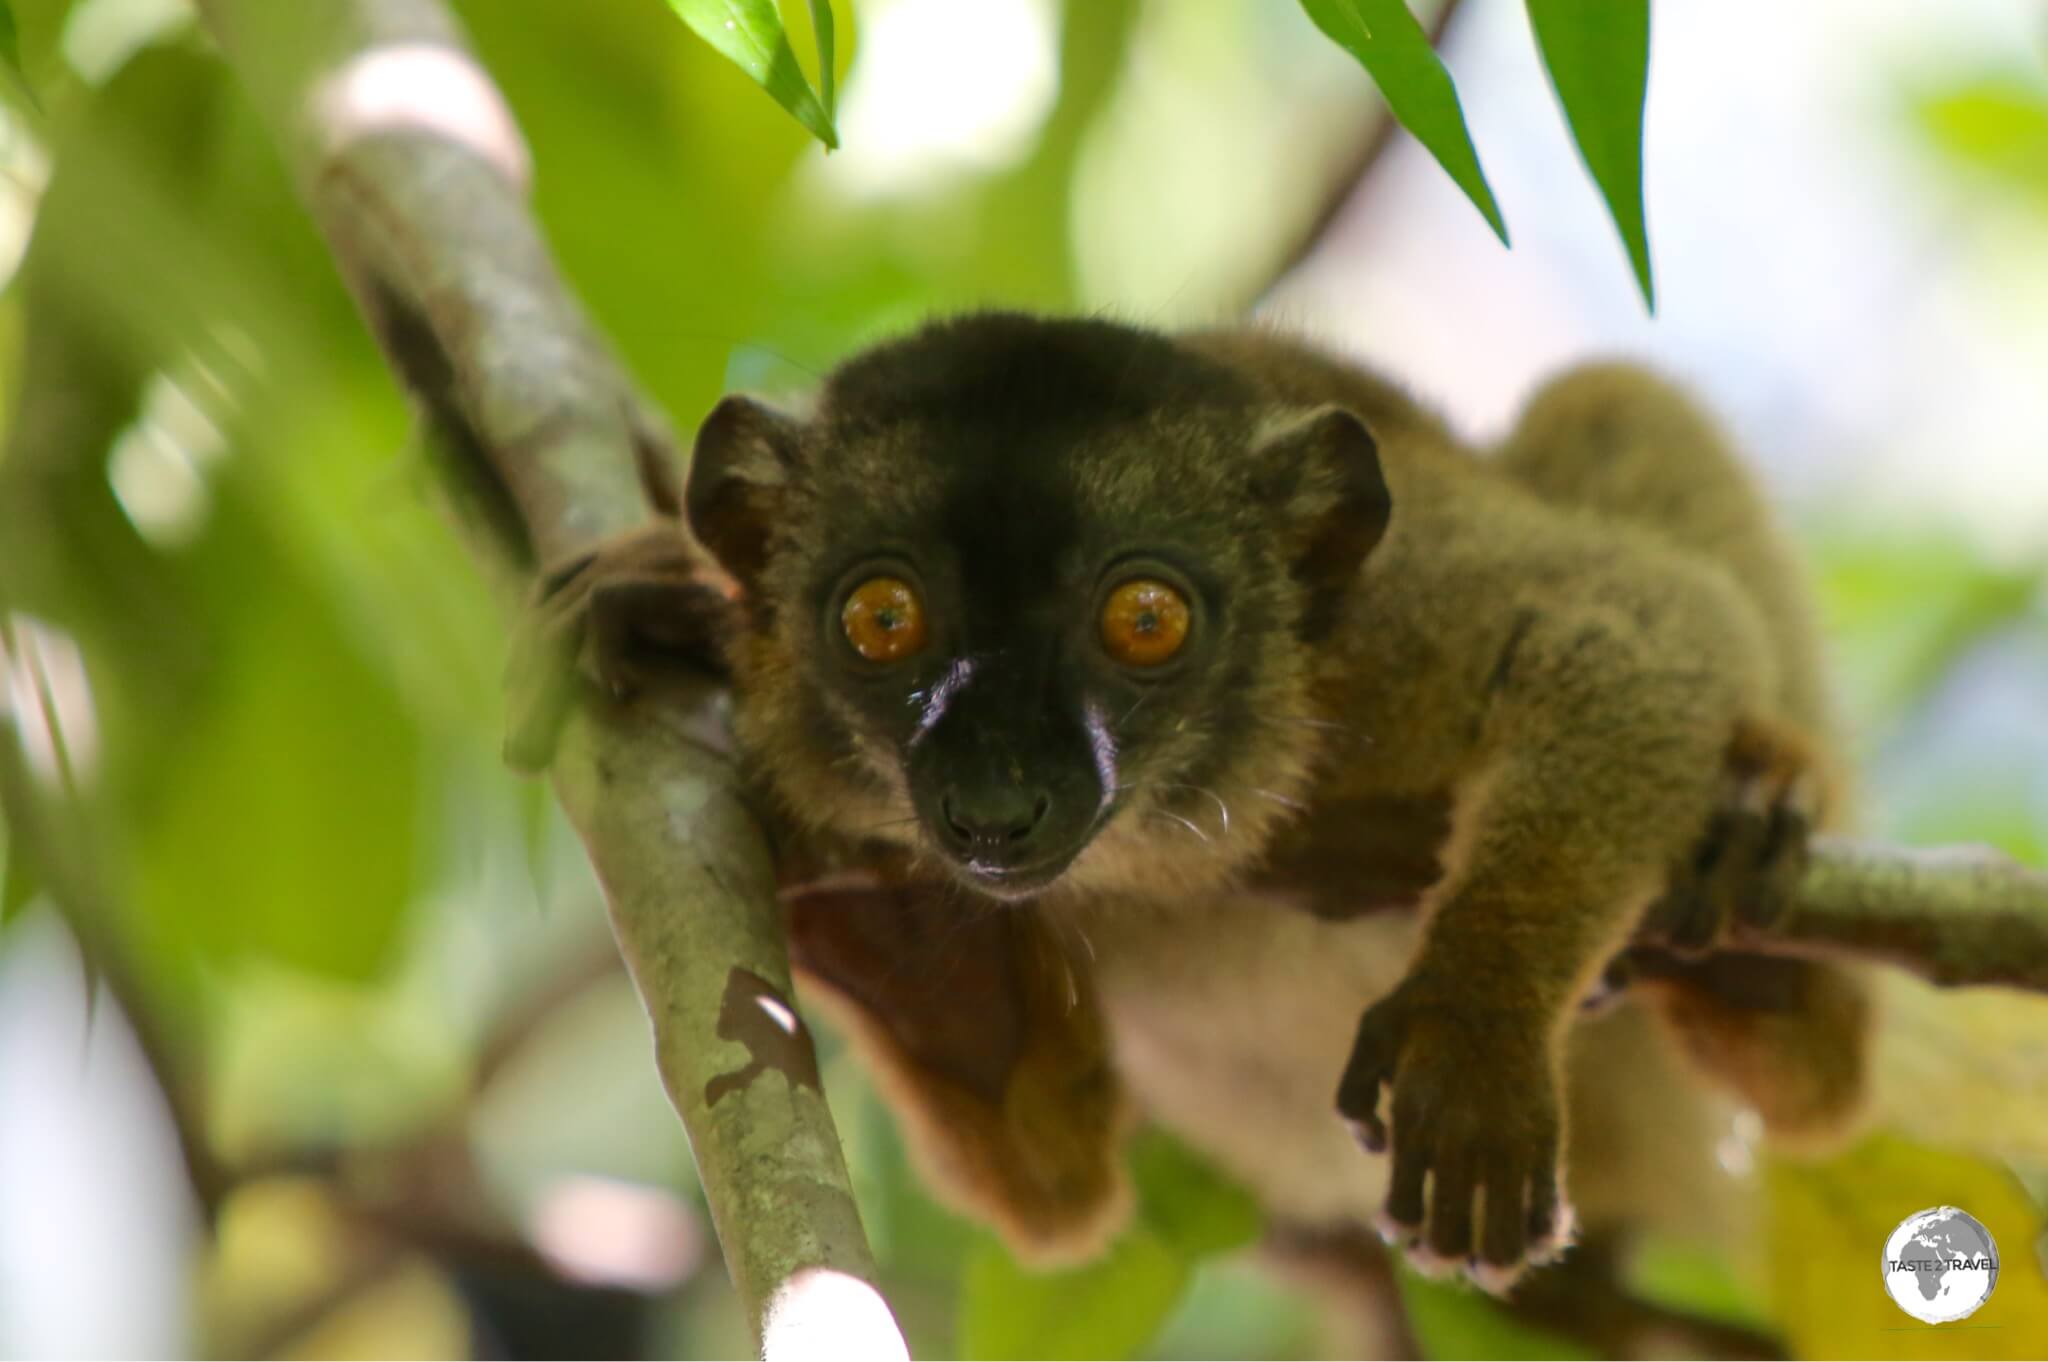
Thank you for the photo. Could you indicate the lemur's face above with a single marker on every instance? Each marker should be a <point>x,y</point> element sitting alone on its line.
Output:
<point>1027,592</point>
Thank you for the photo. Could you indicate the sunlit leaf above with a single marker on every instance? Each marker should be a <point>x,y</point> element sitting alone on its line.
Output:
<point>1395,52</point>
<point>1598,55</point>
<point>749,34</point>
<point>1109,1308</point>
<point>1828,1226</point>
<point>1963,1069</point>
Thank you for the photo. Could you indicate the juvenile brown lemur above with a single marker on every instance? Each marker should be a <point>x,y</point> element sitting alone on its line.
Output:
<point>1240,748</point>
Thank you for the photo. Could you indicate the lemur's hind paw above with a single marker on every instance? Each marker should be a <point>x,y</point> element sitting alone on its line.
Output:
<point>1749,863</point>
<point>637,602</point>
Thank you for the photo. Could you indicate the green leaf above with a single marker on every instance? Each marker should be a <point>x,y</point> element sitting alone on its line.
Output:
<point>1680,1275</point>
<point>10,52</point>
<point>10,38</point>
<point>1109,1308</point>
<point>1396,53</point>
<point>821,31</point>
<point>1996,124</point>
<point>749,34</point>
<point>18,883</point>
<point>1115,1305</point>
<point>291,830</point>
<point>1187,1202</point>
<point>1598,56</point>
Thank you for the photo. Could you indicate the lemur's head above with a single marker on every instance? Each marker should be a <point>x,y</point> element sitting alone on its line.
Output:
<point>1037,598</point>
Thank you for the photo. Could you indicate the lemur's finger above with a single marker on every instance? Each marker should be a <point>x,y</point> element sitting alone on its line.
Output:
<point>1504,1232</point>
<point>1450,1201</point>
<point>1543,1206</point>
<point>1405,1202</point>
<point>1370,1067</point>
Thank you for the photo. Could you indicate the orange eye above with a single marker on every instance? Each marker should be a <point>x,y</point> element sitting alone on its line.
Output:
<point>883,619</point>
<point>1144,622</point>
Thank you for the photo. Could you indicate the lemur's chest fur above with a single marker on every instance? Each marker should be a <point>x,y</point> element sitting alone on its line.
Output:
<point>1230,1019</point>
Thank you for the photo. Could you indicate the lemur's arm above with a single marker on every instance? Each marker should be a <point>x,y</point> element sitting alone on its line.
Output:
<point>1604,744</point>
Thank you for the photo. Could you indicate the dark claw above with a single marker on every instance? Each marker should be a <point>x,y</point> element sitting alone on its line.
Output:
<point>1371,1134</point>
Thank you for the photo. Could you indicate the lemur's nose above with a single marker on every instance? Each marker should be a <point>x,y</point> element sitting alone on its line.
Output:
<point>995,820</point>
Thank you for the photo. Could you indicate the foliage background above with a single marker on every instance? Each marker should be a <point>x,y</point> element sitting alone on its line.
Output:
<point>358,1006</point>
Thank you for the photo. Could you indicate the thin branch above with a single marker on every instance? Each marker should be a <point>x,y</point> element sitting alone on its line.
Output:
<point>413,169</point>
<point>1952,915</point>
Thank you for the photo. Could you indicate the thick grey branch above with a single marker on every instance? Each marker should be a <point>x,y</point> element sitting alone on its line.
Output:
<point>413,169</point>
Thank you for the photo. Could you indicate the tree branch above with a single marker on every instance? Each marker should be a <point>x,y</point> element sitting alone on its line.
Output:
<point>1952,915</point>
<point>412,167</point>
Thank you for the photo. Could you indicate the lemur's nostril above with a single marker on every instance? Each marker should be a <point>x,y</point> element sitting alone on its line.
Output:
<point>1002,816</point>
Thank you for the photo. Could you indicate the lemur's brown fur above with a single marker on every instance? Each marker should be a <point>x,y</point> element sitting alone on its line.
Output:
<point>1510,697</point>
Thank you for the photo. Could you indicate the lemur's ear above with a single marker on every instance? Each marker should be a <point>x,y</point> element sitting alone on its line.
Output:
<point>740,473</point>
<point>1321,468</point>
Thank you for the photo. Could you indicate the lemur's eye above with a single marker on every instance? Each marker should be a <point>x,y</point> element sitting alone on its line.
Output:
<point>883,619</point>
<point>1144,622</point>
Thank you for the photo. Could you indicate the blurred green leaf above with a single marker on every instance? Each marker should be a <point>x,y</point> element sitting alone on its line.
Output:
<point>1239,1307</point>
<point>1453,1321</point>
<point>1997,124</point>
<point>749,34</point>
<point>1109,1308</point>
<point>18,883</point>
<point>10,49</point>
<point>1598,56</point>
<point>1901,611</point>
<point>1395,52</point>
<point>1686,1277</point>
<point>1115,1305</point>
<point>1187,1202</point>
<point>291,830</point>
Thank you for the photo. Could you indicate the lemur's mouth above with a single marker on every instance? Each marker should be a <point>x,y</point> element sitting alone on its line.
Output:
<point>1013,883</point>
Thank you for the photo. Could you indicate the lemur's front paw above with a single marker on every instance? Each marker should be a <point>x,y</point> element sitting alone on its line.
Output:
<point>1749,863</point>
<point>1475,1116</point>
<point>641,600</point>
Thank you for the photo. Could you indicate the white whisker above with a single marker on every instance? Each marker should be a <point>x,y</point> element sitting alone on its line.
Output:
<point>1162,813</point>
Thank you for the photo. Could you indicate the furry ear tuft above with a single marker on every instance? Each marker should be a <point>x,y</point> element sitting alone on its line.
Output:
<point>1322,469</point>
<point>740,472</point>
